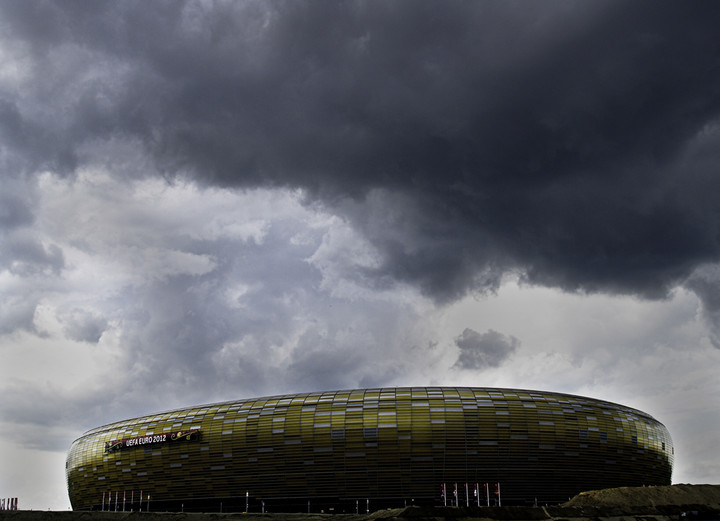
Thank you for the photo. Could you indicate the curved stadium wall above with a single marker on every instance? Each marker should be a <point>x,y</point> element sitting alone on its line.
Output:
<point>368,448</point>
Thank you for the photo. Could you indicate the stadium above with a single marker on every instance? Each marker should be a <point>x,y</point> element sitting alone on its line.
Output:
<point>364,449</point>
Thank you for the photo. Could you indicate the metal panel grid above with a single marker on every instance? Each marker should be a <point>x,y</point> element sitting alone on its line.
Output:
<point>390,444</point>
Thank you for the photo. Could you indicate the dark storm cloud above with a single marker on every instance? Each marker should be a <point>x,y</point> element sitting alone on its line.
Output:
<point>481,351</point>
<point>572,143</point>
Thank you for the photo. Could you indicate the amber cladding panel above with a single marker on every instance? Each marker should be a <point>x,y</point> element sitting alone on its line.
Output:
<point>383,447</point>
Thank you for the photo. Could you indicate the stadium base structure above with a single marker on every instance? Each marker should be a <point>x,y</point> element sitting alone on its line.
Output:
<point>364,449</point>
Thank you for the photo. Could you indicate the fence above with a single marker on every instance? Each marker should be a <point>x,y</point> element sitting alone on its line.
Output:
<point>10,503</point>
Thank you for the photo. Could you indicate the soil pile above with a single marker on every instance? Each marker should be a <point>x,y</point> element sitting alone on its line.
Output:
<point>633,497</point>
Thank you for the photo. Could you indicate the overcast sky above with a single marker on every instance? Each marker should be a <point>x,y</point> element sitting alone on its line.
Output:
<point>204,201</point>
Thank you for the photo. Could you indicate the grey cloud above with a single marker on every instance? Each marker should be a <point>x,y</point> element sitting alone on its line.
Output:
<point>558,141</point>
<point>33,269</point>
<point>282,333</point>
<point>318,364</point>
<point>26,256</point>
<point>47,417</point>
<point>705,282</point>
<point>23,252</point>
<point>84,326</point>
<point>482,351</point>
<point>17,313</point>
<point>182,328</point>
<point>346,357</point>
<point>14,212</point>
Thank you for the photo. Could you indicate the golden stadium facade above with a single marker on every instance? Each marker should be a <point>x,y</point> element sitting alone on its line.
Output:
<point>368,448</point>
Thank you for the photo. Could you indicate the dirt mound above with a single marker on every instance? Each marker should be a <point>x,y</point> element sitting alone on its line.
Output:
<point>634,497</point>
